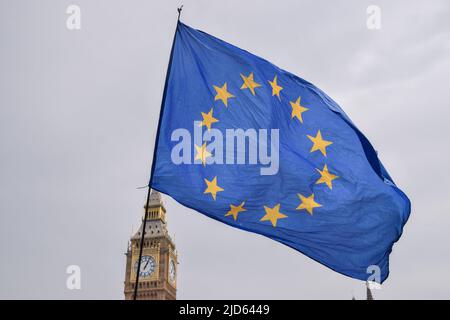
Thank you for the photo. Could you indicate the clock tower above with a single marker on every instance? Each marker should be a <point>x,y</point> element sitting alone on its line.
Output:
<point>158,271</point>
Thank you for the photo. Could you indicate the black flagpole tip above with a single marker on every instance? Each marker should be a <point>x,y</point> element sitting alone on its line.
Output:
<point>179,11</point>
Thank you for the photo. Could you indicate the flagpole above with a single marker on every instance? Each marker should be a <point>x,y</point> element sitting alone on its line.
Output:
<point>141,246</point>
<point>179,12</point>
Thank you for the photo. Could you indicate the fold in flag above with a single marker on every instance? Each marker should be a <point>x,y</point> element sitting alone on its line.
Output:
<point>256,147</point>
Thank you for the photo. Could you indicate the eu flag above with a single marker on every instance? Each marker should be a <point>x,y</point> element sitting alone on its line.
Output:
<point>258,148</point>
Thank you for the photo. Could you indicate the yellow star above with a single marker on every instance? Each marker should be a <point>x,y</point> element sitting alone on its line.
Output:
<point>273,214</point>
<point>208,119</point>
<point>319,143</point>
<point>212,187</point>
<point>222,94</point>
<point>275,88</point>
<point>297,109</point>
<point>202,153</point>
<point>308,203</point>
<point>234,210</point>
<point>249,83</point>
<point>326,177</point>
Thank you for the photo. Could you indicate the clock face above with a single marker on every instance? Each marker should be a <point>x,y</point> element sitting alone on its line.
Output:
<point>148,266</point>
<point>172,271</point>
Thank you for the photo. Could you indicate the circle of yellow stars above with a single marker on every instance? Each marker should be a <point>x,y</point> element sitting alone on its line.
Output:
<point>271,214</point>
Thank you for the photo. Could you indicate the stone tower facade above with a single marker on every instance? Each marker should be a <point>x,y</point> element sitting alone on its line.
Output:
<point>158,271</point>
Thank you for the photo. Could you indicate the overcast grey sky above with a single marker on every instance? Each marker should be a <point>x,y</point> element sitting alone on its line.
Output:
<point>78,117</point>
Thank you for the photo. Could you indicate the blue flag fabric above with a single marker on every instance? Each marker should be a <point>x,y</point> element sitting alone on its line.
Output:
<point>258,148</point>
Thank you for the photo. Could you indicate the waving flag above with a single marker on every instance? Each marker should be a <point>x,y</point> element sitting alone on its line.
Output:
<point>256,147</point>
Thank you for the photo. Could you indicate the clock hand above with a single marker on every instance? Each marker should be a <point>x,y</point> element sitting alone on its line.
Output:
<point>146,264</point>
